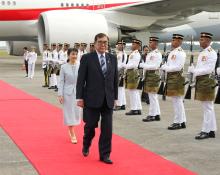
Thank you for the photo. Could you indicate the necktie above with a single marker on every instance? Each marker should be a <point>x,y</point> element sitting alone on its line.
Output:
<point>103,65</point>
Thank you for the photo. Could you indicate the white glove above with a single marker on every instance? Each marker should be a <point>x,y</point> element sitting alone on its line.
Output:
<point>141,65</point>
<point>191,69</point>
<point>124,65</point>
<point>164,67</point>
<point>218,71</point>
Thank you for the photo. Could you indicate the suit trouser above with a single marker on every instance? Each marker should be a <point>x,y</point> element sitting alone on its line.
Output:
<point>179,110</point>
<point>135,99</point>
<point>31,67</point>
<point>209,121</point>
<point>121,96</point>
<point>26,66</point>
<point>91,118</point>
<point>154,107</point>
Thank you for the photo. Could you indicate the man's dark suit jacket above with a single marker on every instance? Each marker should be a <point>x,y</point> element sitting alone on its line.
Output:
<point>92,86</point>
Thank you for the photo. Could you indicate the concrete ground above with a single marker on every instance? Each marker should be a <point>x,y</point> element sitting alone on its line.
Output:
<point>179,146</point>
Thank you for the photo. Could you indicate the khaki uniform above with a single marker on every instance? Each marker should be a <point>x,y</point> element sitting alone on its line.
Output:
<point>152,80</point>
<point>132,80</point>
<point>204,90</point>
<point>175,82</point>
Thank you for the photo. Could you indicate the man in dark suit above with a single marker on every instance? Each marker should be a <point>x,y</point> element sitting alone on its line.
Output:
<point>97,92</point>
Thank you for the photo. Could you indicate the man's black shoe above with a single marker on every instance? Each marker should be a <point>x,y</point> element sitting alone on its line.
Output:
<point>212,134</point>
<point>138,112</point>
<point>56,90</point>
<point>202,135</point>
<point>133,112</point>
<point>117,108</point>
<point>157,118</point>
<point>52,87</point>
<point>85,152</point>
<point>123,107</point>
<point>45,86</point>
<point>148,119</point>
<point>106,160</point>
<point>174,126</point>
<point>183,125</point>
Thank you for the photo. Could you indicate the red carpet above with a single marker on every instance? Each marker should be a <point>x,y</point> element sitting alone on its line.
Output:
<point>37,128</point>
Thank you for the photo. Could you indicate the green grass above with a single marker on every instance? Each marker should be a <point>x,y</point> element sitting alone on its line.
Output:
<point>3,53</point>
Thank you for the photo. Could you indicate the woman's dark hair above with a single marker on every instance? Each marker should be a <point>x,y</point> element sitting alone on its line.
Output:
<point>25,48</point>
<point>71,50</point>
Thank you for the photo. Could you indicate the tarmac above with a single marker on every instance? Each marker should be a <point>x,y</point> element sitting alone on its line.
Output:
<point>178,146</point>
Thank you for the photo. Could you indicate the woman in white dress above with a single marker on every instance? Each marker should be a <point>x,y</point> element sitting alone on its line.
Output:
<point>67,93</point>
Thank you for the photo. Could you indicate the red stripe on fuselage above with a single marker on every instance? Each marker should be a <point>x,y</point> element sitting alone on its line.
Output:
<point>33,14</point>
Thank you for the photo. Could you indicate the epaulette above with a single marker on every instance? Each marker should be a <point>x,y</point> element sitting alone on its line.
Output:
<point>210,49</point>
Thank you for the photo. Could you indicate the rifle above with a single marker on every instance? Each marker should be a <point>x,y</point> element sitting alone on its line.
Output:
<point>217,98</point>
<point>162,88</point>
<point>190,75</point>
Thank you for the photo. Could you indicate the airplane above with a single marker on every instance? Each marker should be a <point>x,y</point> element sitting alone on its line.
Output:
<point>49,21</point>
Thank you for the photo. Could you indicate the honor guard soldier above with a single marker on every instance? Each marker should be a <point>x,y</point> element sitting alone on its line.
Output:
<point>175,81</point>
<point>45,65</point>
<point>152,79</point>
<point>91,47</point>
<point>32,58</point>
<point>25,49</point>
<point>61,60</point>
<point>132,79</point>
<point>204,90</point>
<point>53,62</point>
<point>122,59</point>
<point>76,45</point>
<point>65,49</point>
<point>144,95</point>
<point>82,51</point>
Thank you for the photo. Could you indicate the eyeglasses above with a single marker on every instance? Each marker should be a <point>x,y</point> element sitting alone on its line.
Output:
<point>102,42</point>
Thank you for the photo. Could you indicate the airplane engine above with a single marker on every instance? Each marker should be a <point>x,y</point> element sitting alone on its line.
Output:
<point>16,47</point>
<point>73,26</point>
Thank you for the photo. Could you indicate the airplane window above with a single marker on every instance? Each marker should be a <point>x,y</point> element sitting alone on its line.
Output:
<point>62,4</point>
<point>77,4</point>
<point>82,4</point>
<point>72,4</point>
<point>3,2</point>
<point>14,3</point>
<point>67,4</point>
<point>87,4</point>
<point>8,3</point>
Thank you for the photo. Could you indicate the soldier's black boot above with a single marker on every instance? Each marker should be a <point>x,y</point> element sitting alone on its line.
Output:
<point>183,125</point>
<point>212,134</point>
<point>123,107</point>
<point>174,126</point>
<point>202,135</point>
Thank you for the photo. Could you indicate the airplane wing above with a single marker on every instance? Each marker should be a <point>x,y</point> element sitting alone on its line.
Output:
<point>173,12</point>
